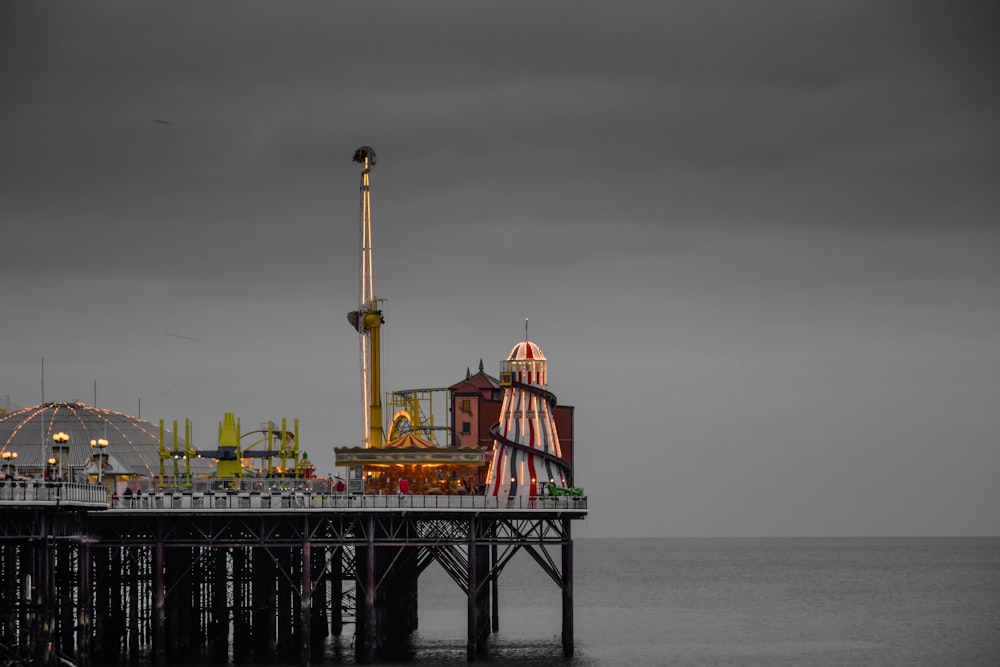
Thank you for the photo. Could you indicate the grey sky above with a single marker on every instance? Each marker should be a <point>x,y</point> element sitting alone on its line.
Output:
<point>756,241</point>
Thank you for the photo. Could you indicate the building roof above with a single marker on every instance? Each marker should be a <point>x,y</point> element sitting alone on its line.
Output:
<point>481,383</point>
<point>133,444</point>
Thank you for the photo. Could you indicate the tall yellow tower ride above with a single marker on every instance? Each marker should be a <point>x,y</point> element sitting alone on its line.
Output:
<point>367,319</point>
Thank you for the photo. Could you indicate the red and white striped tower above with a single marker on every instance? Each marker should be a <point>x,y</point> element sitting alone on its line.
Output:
<point>526,453</point>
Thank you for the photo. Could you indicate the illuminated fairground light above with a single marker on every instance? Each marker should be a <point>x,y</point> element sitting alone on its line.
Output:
<point>527,450</point>
<point>9,459</point>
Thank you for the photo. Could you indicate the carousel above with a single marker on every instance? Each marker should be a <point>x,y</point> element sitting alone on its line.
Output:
<point>411,464</point>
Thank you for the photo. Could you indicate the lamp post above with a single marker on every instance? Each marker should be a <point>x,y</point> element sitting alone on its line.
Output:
<point>61,449</point>
<point>9,459</point>
<point>99,445</point>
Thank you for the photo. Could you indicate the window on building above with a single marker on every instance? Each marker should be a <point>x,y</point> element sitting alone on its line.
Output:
<point>466,428</point>
<point>466,405</point>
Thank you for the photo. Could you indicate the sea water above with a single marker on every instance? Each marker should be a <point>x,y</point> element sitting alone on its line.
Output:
<point>775,602</point>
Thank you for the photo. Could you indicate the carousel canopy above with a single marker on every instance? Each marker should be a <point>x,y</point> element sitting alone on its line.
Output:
<point>410,449</point>
<point>410,440</point>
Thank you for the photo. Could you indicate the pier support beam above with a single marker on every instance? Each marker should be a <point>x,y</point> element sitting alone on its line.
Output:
<point>133,606</point>
<point>494,587</point>
<point>367,652</point>
<point>102,603</point>
<point>472,639</point>
<point>178,611</point>
<point>44,603</point>
<point>265,593</point>
<point>479,593</point>
<point>83,606</point>
<point>218,624</point>
<point>305,610</point>
<point>285,609</point>
<point>567,589</point>
<point>319,628</point>
<point>115,629</point>
<point>337,590</point>
<point>159,608</point>
<point>242,599</point>
<point>64,595</point>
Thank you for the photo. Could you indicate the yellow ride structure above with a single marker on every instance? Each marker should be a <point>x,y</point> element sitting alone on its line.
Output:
<point>405,460</point>
<point>233,461</point>
<point>367,319</point>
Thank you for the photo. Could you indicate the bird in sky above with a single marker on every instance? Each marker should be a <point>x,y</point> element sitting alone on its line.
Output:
<point>177,335</point>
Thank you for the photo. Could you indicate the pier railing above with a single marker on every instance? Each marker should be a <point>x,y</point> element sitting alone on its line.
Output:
<point>299,500</point>
<point>38,492</point>
<point>32,491</point>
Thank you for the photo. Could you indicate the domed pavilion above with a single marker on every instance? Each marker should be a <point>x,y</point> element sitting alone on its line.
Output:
<point>55,439</point>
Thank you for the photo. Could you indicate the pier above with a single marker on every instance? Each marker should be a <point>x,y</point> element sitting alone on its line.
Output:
<point>238,575</point>
<point>233,554</point>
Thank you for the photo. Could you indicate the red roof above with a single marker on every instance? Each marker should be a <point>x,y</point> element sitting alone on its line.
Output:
<point>480,383</point>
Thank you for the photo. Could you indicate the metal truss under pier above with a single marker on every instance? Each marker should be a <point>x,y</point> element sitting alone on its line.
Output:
<point>85,583</point>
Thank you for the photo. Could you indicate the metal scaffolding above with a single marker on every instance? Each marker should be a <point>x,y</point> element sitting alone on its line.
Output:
<point>108,586</point>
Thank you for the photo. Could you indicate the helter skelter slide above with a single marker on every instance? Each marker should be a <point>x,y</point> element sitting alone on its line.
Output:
<point>527,460</point>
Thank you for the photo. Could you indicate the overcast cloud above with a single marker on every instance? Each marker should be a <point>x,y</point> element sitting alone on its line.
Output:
<point>757,241</point>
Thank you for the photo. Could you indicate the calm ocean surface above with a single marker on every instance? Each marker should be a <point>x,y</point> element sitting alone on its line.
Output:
<point>870,602</point>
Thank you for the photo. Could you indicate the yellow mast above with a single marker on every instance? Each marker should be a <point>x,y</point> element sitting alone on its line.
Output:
<point>373,321</point>
<point>367,319</point>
